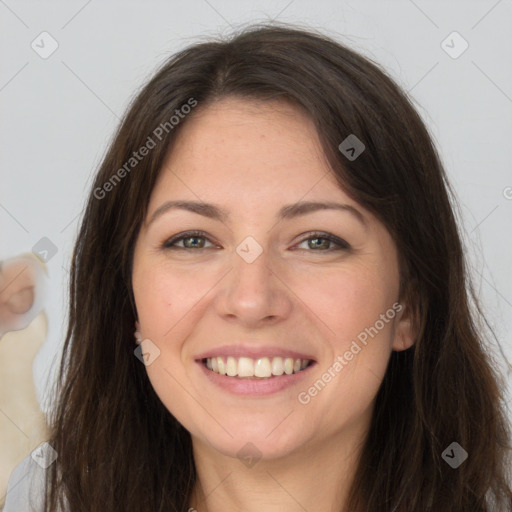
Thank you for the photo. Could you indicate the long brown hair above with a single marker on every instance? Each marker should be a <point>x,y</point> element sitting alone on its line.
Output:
<point>119,448</point>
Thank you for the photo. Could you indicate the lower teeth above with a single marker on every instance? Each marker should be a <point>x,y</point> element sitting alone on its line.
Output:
<point>254,377</point>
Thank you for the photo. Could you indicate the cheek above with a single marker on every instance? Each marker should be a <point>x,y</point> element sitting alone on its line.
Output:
<point>356,306</point>
<point>350,300</point>
<point>164,296</point>
<point>359,343</point>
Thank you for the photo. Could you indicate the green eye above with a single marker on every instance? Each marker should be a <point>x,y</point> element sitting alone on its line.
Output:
<point>321,242</point>
<point>191,240</point>
<point>196,240</point>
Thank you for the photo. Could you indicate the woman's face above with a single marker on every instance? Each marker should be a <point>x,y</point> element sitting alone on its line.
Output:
<point>260,285</point>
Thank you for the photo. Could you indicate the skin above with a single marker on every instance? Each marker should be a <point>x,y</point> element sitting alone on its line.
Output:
<point>252,158</point>
<point>18,277</point>
<point>23,328</point>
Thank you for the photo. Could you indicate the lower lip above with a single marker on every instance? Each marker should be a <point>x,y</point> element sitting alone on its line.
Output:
<point>254,387</point>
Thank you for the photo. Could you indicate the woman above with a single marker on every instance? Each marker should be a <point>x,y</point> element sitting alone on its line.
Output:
<point>273,225</point>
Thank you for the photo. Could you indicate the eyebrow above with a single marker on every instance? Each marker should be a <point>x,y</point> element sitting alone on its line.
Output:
<point>287,212</point>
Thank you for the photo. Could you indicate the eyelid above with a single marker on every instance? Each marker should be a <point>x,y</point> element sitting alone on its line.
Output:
<point>342,244</point>
<point>186,234</point>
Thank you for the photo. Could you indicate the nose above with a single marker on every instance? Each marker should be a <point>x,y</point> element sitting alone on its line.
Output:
<point>254,294</point>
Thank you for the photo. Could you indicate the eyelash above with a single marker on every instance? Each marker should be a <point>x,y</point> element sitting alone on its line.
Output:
<point>342,244</point>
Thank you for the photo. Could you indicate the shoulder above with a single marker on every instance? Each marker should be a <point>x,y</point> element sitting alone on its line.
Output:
<point>26,487</point>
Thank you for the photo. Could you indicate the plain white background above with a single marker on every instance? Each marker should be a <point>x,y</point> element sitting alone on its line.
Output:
<point>58,113</point>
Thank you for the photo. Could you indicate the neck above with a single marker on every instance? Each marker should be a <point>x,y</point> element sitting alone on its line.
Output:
<point>313,477</point>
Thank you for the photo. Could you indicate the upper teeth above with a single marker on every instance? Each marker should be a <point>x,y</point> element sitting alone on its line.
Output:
<point>263,367</point>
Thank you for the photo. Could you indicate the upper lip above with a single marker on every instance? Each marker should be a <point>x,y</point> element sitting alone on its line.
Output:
<point>253,352</point>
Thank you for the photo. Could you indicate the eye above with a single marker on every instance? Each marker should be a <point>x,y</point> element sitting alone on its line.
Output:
<point>321,242</point>
<point>190,239</point>
<point>317,241</point>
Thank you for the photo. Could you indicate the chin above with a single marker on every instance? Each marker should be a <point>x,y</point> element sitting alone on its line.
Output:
<point>267,439</point>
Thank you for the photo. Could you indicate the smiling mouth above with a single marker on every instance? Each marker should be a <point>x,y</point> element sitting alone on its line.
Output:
<point>261,368</point>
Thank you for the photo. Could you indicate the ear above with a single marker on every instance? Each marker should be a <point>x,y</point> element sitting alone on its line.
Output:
<point>407,319</point>
<point>137,334</point>
<point>405,332</point>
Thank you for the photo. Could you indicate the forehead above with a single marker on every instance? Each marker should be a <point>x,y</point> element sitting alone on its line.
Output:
<point>244,145</point>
